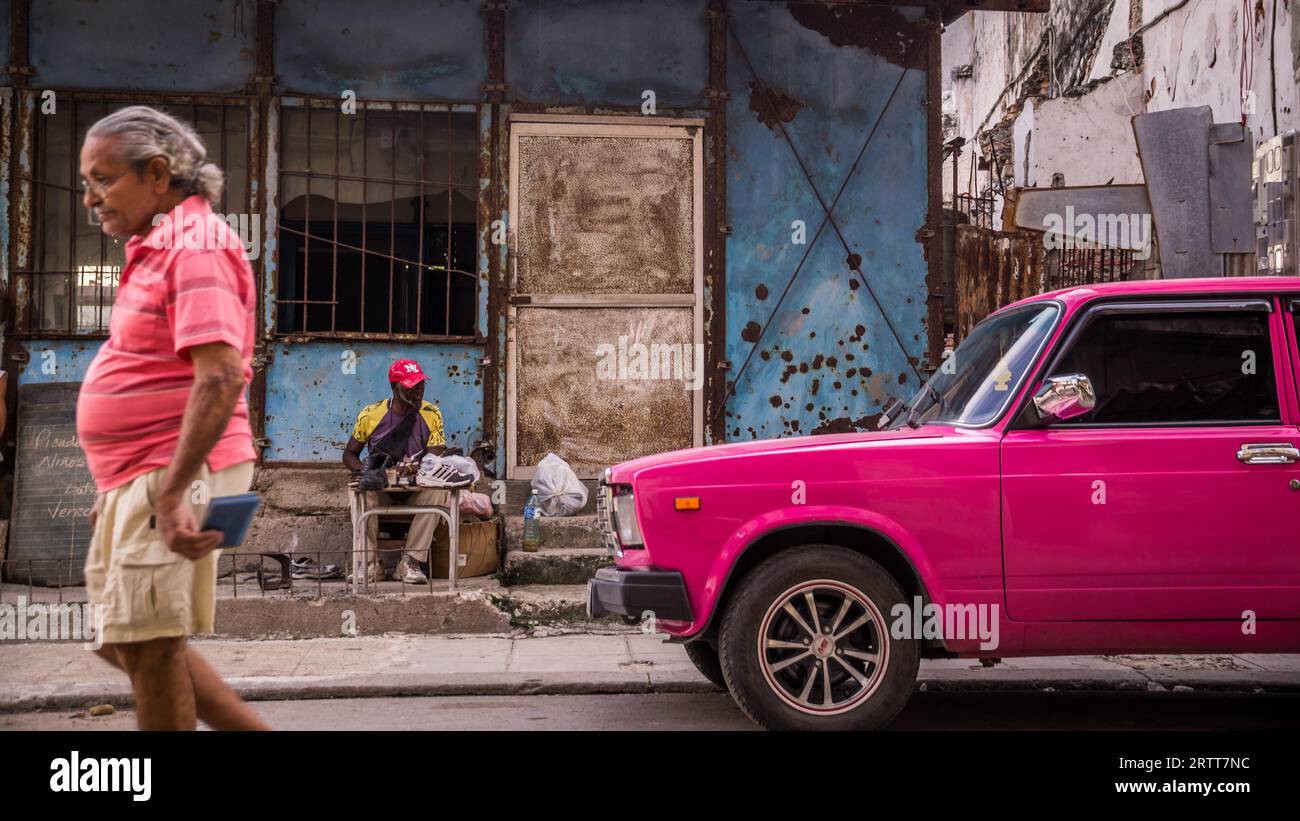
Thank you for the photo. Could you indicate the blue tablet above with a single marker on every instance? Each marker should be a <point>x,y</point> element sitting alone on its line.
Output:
<point>232,515</point>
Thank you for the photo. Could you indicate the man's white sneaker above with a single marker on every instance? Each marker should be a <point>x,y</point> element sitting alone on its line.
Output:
<point>443,476</point>
<point>410,573</point>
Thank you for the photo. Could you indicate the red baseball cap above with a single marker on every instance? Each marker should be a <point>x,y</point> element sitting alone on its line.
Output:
<point>407,373</point>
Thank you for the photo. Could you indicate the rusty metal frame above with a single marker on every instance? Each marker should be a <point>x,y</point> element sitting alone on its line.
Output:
<point>491,207</point>
<point>715,225</point>
<point>17,151</point>
<point>261,86</point>
<point>394,108</point>
<point>531,124</point>
<point>23,278</point>
<point>931,235</point>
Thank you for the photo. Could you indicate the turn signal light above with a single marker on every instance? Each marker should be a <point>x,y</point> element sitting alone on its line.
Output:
<point>686,503</point>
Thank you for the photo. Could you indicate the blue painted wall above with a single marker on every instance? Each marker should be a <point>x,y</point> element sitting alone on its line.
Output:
<point>831,361</point>
<point>565,52</point>
<point>66,360</point>
<point>400,49</point>
<point>209,46</point>
<point>577,51</point>
<point>312,400</point>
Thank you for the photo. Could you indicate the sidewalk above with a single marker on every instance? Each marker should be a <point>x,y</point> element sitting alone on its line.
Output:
<point>67,676</point>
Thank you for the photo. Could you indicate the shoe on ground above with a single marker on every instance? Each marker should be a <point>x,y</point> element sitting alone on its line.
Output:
<point>409,572</point>
<point>374,573</point>
<point>305,567</point>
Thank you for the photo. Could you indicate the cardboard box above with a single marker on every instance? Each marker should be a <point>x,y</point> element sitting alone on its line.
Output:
<point>478,549</point>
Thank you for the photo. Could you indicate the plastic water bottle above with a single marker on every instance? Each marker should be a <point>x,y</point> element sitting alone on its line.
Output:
<point>532,527</point>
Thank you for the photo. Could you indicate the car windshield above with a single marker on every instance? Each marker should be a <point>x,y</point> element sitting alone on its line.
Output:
<point>978,378</point>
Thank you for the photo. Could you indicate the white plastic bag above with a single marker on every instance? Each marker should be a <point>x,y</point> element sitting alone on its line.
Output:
<point>559,491</point>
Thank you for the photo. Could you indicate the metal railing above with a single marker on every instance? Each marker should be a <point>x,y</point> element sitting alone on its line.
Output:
<point>1088,265</point>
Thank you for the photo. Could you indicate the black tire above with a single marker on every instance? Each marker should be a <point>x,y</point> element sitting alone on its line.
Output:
<point>764,687</point>
<point>706,660</point>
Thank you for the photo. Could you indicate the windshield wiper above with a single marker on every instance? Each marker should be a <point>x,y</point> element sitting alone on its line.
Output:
<point>938,399</point>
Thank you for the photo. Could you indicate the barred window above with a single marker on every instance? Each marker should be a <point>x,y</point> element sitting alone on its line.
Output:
<point>70,280</point>
<point>378,220</point>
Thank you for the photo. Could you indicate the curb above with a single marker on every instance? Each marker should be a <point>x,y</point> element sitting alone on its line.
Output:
<point>65,697</point>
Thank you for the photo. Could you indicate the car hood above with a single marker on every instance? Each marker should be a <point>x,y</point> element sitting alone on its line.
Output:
<point>627,472</point>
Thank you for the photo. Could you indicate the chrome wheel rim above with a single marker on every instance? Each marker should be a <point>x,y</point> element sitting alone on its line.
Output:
<point>823,647</point>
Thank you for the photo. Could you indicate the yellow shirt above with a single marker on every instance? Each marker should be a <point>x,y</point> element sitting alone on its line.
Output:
<point>368,422</point>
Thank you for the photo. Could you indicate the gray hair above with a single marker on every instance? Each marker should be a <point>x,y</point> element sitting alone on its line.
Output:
<point>145,133</point>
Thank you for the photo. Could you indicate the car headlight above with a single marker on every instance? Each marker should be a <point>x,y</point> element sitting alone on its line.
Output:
<point>625,521</point>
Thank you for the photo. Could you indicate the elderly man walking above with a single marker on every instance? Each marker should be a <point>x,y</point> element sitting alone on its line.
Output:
<point>162,413</point>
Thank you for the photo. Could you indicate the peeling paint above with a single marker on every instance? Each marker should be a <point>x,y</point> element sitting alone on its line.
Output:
<point>879,29</point>
<point>771,106</point>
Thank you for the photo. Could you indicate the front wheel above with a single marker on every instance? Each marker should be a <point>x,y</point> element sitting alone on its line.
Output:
<point>805,644</point>
<point>706,661</point>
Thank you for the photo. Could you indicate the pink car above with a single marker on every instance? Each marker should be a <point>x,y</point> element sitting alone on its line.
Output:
<point>1106,469</point>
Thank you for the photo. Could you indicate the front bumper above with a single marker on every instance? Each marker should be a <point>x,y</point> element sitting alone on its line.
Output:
<point>634,592</point>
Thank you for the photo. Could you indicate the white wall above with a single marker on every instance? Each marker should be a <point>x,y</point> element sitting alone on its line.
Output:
<point>1089,139</point>
<point>1193,57</point>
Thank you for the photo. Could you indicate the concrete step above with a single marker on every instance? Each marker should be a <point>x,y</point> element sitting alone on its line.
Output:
<point>558,533</point>
<point>549,605</point>
<point>328,609</point>
<point>553,566</point>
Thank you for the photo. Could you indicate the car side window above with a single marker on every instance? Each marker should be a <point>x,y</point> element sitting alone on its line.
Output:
<point>1176,368</point>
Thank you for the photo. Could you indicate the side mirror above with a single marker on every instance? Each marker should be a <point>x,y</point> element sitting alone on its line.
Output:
<point>1065,397</point>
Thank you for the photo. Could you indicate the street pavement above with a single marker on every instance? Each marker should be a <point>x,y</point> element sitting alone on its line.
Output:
<point>715,711</point>
<point>66,676</point>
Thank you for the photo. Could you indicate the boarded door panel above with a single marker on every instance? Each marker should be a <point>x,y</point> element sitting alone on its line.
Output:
<point>579,412</point>
<point>605,257</point>
<point>605,215</point>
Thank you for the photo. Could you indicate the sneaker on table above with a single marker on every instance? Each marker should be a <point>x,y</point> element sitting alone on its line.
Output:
<point>443,476</point>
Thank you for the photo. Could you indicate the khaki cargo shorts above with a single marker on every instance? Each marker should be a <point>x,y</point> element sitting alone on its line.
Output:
<point>146,590</point>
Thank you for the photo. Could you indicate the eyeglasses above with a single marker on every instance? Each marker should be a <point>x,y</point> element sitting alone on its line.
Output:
<point>100,187</point>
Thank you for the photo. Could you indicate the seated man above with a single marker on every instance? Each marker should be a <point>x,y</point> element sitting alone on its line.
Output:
<point>401,426</point>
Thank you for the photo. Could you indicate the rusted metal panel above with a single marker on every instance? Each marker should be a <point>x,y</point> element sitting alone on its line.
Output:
<point>208,47</point>
<point>568,405</point>
<point>995,269</point>
<point>882,30</point>
<point>400,49</point>
<point>606,215</point>
<point>608,53</point>
<point>828,359</point>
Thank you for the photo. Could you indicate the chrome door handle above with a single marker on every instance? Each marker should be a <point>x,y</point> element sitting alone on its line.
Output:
<point>1270,453</point>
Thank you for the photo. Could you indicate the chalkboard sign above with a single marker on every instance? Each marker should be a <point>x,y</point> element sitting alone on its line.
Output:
<point>53,491</point>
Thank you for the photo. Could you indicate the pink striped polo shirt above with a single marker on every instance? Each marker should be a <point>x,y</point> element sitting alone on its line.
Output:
<point>185,283</point>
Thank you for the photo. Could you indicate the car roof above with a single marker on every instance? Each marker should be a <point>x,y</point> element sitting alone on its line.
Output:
<point>1079,294</point>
